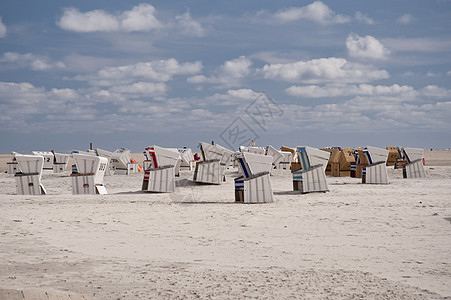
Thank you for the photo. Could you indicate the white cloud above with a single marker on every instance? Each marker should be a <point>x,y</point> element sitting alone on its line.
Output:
<point>65,93</point>
<point>139,18</point>
<point>359,16</point>
<point>317,12</point>
<point>434,91</point>
<point>189,26</point>
<point>405,19</point>
<point>159,71</point>
<point>139,89</point>
<point>28,60</point>
<point>314,91</point>
<point>232,97</point>
<point>369,114</point>
<point>2,29</point>
<point>366,47</point>
<point>448,73</point>
<point>229,74</point>
<point>419,44</point>
<point>323,70</point>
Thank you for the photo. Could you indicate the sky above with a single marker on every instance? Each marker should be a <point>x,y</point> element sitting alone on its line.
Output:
<point>173,73</point>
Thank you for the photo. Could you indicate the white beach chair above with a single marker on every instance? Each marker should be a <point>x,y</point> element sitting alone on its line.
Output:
<point>107,154</point>
<point>89,179</point>
<point>277,156</point>
<point>376,171</point>
<point>121,162</point>
<point>159,170</point>
<point>254,186</point>
<point>60,163</point>
<point>187,158</point>
<point>312,175</point>
<point>28,180</point>
<point>415,167</point>
<point>285,163</point>
<point>215,160</point>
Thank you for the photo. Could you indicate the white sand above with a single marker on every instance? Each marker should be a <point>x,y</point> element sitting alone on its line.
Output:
<point>356,241</point>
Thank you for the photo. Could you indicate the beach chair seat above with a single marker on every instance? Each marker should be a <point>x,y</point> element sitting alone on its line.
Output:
<point>28,179</point>
<point>254,186</point>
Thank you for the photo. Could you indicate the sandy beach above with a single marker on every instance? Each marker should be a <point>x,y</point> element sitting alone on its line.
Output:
<point>355,241</point>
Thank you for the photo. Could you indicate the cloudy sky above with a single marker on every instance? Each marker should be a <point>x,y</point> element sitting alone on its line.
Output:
<point>173,73</point>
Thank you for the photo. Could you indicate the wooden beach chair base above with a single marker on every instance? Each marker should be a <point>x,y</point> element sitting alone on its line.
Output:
<point>414,169</point>
<point>255,189</point>
<point>375,174</point>
<point>159,180</point>
<point>29,184</point>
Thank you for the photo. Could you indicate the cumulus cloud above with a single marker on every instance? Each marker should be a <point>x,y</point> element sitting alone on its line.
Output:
<point>317,12</point>
<point>158,71</point>
<point>139,18</point>
<point>430,45</point>
<point>314,91</point>
<point>405,19</point>
<point>2,29</point>
<point>323,70</point>
<point>366,47</point>
<point>359,16</point>
<point>139,89</point>
<point>434,91</point>
<point>28,60</point>
<point>229,74</point>
<point>189,26</point>
<point>232,97</point>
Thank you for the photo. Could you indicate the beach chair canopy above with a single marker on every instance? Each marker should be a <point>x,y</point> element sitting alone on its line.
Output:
<point>48,158</point>
<point>160,156</point>
<point>29,164</point>
<point>277,155</point>
<point>211,152</point>
<point>309,157</point>
<point>121,158</point>
<point>61,158</point>
<point>186,155</point>
<point>375,155</point>
<point>251,164</point>
<point>104,153</point>
<point>412,154</point>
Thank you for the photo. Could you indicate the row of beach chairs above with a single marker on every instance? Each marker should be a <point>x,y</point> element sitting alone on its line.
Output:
<point>308,165</point>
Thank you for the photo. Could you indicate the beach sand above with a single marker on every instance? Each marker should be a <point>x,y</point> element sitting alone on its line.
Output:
<point>355,241</point>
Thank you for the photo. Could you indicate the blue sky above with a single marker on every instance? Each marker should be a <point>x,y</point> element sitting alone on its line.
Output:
<point>172,73</point>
